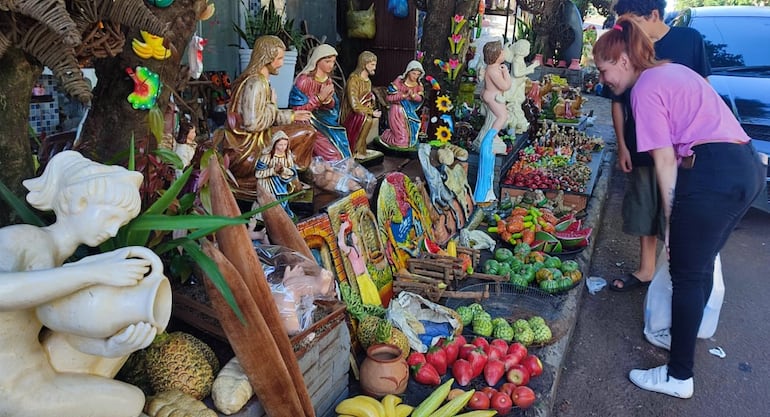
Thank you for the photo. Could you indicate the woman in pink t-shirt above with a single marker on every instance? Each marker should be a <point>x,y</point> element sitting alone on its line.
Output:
<point>679,116</point>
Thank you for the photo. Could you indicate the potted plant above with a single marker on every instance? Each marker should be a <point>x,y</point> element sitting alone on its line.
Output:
<point>268,20</point>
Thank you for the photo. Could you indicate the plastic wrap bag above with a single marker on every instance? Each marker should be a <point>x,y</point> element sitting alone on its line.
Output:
<point>657,303</point>
<point>343,176</point>
<point>295,282</point>
<point>422,321</point>
<point>399,8</point>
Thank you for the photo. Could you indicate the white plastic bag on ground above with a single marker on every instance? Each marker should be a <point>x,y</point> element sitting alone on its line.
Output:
<point>657,303</point>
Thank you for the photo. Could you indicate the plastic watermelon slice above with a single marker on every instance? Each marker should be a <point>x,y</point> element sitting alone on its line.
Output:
<point>574,239</point>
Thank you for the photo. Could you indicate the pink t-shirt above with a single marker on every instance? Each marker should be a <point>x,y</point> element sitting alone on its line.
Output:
<point>673,105</point>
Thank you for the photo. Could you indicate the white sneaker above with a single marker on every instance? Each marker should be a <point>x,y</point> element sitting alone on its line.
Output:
<point>657,380</point>
<point>661,339</point>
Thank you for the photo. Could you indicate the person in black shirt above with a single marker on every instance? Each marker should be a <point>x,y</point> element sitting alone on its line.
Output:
<point>642,212</point>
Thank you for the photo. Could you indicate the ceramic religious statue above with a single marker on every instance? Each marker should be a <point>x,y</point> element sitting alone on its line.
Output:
<point>314,91</point>
<point>102,306</point>
<point>359,114</point>
<point>405,95</point>
<point>253,115</point>
<point>185,144</point>
<point>496,81</point>
<point>276,171</point>
<point>516,93</point>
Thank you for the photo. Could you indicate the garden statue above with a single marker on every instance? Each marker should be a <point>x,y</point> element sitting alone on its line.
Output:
<point>496,80</point>
<point>87,307</point>
<point>358,112</point>
<point>276,171</point>
<point>253,116</point>
<point>405,95</point>
<point>515,95</point>
<point>185,144</point>
<point>314,91</point>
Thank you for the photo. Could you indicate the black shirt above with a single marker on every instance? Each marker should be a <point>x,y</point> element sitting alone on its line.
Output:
<point>681,45</point>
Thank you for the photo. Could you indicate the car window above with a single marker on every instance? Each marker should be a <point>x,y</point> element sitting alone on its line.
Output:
<point>735,41</point>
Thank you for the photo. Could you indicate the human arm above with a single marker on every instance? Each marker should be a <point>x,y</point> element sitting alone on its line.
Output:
<point>304,94</point>
<point>666,174</point>
<point>132,338</point>
<point>618,122</point>
<point>498,77</point>
<point>396,91</point>
<point>31,288</point>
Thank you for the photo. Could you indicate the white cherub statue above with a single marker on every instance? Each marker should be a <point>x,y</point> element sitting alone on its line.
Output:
<point>515,95</point>
<point>38,289</point>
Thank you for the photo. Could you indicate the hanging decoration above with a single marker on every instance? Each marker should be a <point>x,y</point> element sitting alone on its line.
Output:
<point>152,47</point>
<point>146,88</point>
<point>195,56</point>
<point>399,8</point>
<point>161,4</point>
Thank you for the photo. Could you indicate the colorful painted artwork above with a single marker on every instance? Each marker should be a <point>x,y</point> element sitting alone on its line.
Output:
<point>321,239</point>
<point>354,223</point>
<point>404,221</point>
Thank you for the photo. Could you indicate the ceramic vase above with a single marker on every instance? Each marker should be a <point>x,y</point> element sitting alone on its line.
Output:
<point>384,371</point>
<point>101,311</point>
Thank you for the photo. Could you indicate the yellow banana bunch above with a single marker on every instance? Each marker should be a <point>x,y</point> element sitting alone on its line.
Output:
<point>361,406</point>
<point>152,47</point>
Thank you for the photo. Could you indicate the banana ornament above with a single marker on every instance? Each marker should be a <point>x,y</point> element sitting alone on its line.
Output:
<point>360,406</point>
<point>152,47</point>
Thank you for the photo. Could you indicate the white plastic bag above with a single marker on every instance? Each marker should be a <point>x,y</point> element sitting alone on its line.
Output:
<point>657,303</point>
<point>408,309</point>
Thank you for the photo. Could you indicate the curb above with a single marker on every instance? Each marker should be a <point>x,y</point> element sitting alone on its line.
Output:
<point>553,355</point>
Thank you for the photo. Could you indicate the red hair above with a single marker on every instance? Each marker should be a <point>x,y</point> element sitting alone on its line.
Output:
<point>626,36</point>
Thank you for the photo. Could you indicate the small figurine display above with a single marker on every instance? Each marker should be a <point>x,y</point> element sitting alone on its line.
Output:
<point>314,91</point>
<point>358,112</point>
<point>91,202</point>
<point>496,80</point>
<point>276,171</point>
<point>253,115</point>
<point>185,144</point>
<point>405,95</point>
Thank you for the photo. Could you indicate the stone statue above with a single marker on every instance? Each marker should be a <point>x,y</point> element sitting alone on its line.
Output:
<point>496,80</point>
<point>314,91</point>
<point>253,116</point>
<point>515,95</point>
<point>82,303</point>
<point>358,112</point>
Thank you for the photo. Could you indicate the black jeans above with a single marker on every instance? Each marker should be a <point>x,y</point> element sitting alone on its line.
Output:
<point>710,199</point>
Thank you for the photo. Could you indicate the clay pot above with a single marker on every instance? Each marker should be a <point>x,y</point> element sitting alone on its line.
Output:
<point>101,311</point>
<point>384,371</point>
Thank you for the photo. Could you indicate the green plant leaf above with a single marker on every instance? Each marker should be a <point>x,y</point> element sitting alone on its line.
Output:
<point>155,121</point>
<point>150,222</point>
<point>21,208</point>
<point>170,157</point>
<point>212,272</point>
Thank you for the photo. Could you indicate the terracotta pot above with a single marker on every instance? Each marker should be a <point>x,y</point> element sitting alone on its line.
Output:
<point>384,371</point>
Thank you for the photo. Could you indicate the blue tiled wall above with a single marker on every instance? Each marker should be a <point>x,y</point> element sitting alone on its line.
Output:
<point>44,116</point>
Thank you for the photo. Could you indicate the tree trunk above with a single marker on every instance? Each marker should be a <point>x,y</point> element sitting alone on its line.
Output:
<point>112,121</point>
<point>17,77</point>
<point>436,31</point>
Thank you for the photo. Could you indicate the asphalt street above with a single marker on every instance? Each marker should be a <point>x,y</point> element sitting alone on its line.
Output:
<point>607,339</point>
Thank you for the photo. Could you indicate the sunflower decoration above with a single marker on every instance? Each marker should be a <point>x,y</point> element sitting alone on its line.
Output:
<point>444,104</point>
<point>443,134</point>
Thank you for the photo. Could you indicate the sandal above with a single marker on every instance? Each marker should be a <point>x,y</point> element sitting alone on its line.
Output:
<point>630,281</point>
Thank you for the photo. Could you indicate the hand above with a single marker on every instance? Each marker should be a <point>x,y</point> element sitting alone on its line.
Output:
<point>302,115</point>
<point>624,160</point>
<point>326,92</point>
<point>132,338</point>
<point>278,168</point>
<point>377,113</point>
<point>117,268</point>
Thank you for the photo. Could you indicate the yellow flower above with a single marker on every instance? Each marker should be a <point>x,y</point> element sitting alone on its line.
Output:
<point>443,134</point>
<point>443,103</point>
